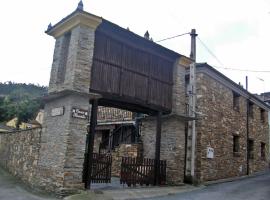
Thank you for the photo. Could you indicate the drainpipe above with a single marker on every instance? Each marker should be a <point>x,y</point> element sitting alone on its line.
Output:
<point>247,128</point>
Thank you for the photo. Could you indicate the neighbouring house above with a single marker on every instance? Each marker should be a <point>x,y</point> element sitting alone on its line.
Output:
<point>232,128</point>
<point>35,123</point>
<point>4,128</point>
<point>264,97</point>
<point>137,90</point>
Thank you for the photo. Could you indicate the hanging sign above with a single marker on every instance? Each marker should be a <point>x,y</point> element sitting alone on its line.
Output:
<point>79,113</point>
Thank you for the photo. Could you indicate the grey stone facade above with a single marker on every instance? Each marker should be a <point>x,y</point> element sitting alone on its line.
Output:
<point>63,144</point>
<point>76,62</point>
<point>219,123</point>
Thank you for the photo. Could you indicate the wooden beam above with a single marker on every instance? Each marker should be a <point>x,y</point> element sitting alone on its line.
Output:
<point>90,141</point>
<point>157,149</point>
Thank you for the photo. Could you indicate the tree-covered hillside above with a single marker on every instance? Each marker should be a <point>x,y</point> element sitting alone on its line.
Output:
<point>20,100</point>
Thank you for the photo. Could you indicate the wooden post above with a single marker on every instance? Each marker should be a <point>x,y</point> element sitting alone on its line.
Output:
<point>90,145</point>
<point>157,150</point>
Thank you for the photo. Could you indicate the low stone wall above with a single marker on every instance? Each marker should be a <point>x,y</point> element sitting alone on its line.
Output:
<point>124,150</point>
<point>19,153</point>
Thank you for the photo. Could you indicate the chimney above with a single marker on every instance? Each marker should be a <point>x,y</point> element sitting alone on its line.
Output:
<point>147,35</point>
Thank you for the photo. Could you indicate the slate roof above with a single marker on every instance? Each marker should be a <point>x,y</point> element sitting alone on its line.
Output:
<point>236,87</point>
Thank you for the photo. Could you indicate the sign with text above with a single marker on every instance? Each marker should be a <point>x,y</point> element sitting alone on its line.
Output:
<point>57,111</point>
<point>210,152</point>
<point>79,113</point>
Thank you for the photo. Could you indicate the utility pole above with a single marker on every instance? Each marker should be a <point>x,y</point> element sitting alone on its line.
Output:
<point>191,135</point>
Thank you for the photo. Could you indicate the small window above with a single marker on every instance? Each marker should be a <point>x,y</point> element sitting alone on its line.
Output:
<point>236,144</point>
<point>262,115</point>
<point>263,150</point>
<point>250,109</point>
<point>250,149</point>
<point>64,57</point>
<point>236,101</point>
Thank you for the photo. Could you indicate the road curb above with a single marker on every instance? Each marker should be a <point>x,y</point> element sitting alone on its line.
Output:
<point>236,178</point>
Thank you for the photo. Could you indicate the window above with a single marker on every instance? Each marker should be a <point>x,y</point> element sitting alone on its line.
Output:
<point>236,144</point>
<point>236,101</point>
<point>262,115</point>
<point>63,58</point>
<point>263,150</point>
<point>250,109</point>
<point>187,84</point>
<point>250,149</point>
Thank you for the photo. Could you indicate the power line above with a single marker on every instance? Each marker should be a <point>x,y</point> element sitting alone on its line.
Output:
<point>243,70</point>
<point>229,68</point>
<point>173,37</point>
<point>209,51</point>
<point>217,59</point>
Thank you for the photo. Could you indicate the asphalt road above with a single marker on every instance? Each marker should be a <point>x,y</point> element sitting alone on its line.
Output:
<point>254,188</point>
<point>13,189</point>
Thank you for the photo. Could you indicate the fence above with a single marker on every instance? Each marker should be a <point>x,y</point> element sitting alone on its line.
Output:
<point>141,171</point>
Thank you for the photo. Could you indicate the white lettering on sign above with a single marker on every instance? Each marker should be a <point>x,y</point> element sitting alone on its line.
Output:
<point>210,153</point>
<point>79,113</point>
<point>57,111</point>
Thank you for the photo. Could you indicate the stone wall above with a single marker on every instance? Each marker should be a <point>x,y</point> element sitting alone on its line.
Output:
<point>217,126</point>
<point>172,145</point>
<point>124,150</point>
<point>19,153</point>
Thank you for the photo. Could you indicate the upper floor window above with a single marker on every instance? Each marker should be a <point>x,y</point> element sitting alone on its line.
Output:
<point>236,101</point>
<point>262,111</point>
<point>250,109</point>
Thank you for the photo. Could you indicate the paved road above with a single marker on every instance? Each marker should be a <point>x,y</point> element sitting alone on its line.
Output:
<point>12,189</point>
<point>255,188</point>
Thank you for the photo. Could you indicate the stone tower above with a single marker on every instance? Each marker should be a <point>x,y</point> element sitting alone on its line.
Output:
<point>63,136</point>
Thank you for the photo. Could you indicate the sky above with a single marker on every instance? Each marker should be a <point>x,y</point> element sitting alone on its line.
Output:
<point>233,35</point>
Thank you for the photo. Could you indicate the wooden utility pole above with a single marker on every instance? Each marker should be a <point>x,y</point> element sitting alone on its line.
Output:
<point>191,135</point>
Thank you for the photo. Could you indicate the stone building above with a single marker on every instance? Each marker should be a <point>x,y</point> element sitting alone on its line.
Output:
<point>232,128</point>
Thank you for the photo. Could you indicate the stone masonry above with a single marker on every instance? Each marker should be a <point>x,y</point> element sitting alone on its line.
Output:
<point>173,131</point>
<point>217,126</point>
<point>172,145</point>
<point>19,153</point>
<point>124,150</point>
<point>63,145</point>
<point>77,62</point>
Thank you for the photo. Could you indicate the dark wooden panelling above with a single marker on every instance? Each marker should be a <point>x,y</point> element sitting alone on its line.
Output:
<point>132,69</point>
<point>135,85</point>
<point>105,77</point>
